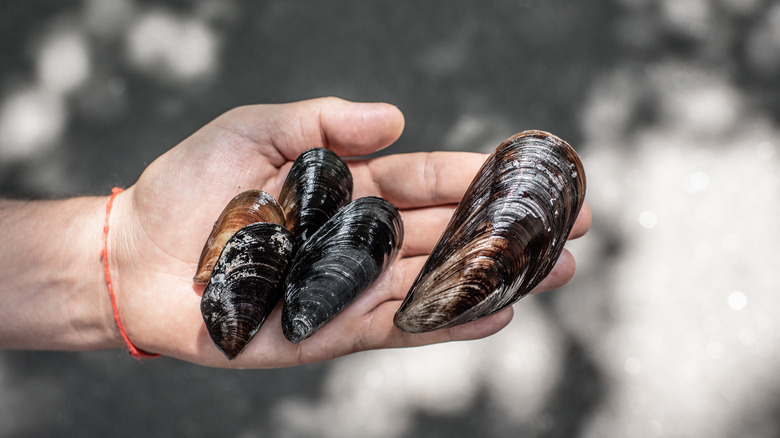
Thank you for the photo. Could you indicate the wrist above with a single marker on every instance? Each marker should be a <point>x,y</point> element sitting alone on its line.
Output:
<point>112,257</point>
<point>93,310</point>
<point>54,292</point>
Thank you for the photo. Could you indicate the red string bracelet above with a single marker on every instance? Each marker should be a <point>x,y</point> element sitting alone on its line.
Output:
<point>134,351</point>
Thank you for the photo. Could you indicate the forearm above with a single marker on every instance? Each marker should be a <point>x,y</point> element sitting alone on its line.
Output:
<point>53,292</point>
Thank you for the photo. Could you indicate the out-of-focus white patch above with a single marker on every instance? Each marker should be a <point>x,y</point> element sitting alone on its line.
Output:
<point>765,150</point>
<point>696,102</point>
<point>633,366</point>
<point>648,220</point>
<point>108,18</point>
<point>680,11</point>
<point>737,300</point>
<point>172,47</point>
<point>691,17</point>
<point>30,121</point>
<point>613,105</point>
<point>64,61</point>
<point>697,182</point>
<point>478,132</point>
<point>376,394</point>
<point>692,304</point>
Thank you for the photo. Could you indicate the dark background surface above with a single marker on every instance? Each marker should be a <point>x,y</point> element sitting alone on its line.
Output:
<point>466,75</point>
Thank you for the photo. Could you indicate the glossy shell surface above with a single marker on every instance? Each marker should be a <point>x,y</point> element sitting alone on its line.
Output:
<point>318,184</point>
<point>338,263</point>
<point>245,284</point>
<point>504,237</point>
<point>245,208</point>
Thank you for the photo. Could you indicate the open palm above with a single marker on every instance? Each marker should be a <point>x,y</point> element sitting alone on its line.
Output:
<point>159,225</point>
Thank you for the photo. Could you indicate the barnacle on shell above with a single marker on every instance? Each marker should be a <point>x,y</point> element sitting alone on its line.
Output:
<point>245,284</point>
<point>245,208</point>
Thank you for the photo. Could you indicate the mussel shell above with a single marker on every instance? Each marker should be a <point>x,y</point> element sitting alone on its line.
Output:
<point>245,284</point>
<point>504,237</point>
<point>338,263</point>
<point>245,208</point>
<point>318,184</point>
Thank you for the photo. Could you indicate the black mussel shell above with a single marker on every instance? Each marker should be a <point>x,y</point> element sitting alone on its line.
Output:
<point>504,237</point>
<point>338,263</point>
<point>319,183</point>
<point>245,284</point>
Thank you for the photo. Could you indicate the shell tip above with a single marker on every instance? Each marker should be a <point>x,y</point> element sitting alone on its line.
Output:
<point>229,354</point>
<point>416,319</point>
<point>202,275</point>
<point>405,323</point>
<point>296,330</point>
<point>231,349</point>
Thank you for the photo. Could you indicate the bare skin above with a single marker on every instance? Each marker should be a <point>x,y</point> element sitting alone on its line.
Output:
<point>54,294</point>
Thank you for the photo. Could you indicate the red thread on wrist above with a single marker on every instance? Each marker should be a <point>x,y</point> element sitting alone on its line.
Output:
<point>134,351</point>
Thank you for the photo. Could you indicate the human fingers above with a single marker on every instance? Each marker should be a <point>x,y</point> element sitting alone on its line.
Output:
<point>582,225</point>
<point>380,332</point>
<point>562,273</point>
<point>419,179</point>
<point>284,131</point>
<point>404,271</point>
<point>423,227</point>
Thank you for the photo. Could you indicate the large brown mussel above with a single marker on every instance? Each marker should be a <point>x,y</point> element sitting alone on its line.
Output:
<point>248,256</point>
<point>245,208</point>
<point>504,237</point>
<point>338,263</point>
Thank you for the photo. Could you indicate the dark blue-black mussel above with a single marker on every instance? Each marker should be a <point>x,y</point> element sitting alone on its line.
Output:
<point>338,262</point>
<point>318,185</point>
<point>245,285</point>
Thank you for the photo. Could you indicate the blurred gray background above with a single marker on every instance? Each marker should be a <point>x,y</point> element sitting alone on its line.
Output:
<point>669,328</point>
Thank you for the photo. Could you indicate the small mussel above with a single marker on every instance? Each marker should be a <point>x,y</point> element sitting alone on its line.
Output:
<point>245,208</point>
<point>339,262</point>
<point>504,237</point>
<point>319,183</point>
<point>245,284</point>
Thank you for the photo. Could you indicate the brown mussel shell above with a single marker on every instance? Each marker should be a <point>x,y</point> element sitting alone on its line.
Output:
<point>504,237</point>
<point>319,183</point>
<point>245,208</point>
<point>338,263</point>
<point>245,285</point>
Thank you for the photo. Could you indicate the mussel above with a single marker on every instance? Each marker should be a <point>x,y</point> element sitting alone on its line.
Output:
<point>504,237</point>
<point>339,262</point>
<point>245,285</point>
<point>318,184</point>
<point>245,208</point>
<point>341,247</point>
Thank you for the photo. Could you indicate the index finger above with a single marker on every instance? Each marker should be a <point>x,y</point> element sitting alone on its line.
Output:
<point>426,179</point>
<point>416,180</point>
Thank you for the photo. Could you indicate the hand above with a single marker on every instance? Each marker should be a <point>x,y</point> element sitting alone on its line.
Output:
<point>159,225</point>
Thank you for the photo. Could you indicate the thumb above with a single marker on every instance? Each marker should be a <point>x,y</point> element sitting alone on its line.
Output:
<point>351,128</point>
<point>347,128</point>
